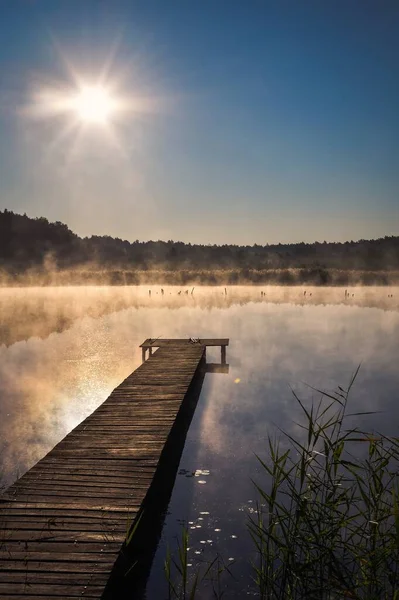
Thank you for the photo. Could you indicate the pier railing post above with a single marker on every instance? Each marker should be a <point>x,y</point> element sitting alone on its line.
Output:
<point>223,354</point>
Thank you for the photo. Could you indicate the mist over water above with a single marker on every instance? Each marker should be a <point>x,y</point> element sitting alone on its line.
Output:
<point>64,349</point>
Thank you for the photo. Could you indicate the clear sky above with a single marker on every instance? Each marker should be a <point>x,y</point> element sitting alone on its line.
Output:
<point>254,121</point>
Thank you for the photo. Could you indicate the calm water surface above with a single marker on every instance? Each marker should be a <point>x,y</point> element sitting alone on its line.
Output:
<point>63,350</point>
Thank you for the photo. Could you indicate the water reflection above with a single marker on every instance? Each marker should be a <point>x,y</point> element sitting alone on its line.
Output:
<point>38,312</point>
<point>64,350</point>
<point>272,349</point>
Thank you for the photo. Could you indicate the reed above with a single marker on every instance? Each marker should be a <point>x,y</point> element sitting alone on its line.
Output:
<point>186,583</point>
<point>327,523</point>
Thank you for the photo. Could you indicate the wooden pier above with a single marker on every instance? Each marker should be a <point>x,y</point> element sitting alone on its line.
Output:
<point>63,524</point>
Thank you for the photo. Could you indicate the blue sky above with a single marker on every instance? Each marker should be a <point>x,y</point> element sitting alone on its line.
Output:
<point>266,122</point>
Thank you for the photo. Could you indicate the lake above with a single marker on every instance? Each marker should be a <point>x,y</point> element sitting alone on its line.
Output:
<point>63,350</point>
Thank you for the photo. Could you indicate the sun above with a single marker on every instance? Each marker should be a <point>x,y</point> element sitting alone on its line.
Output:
<point>87,106</point>
<point>93,104</point>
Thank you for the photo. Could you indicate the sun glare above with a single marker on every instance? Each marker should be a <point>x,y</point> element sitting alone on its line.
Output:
<point>86,105</point>
<point>93,104</point>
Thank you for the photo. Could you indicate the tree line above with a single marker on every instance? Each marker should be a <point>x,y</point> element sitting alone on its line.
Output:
<point>28,244</point>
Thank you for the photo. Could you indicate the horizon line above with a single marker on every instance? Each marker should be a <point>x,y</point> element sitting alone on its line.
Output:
<point>219,245</point>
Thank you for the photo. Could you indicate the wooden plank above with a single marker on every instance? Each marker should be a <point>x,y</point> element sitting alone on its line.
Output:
<point>44,491</point>
<point>23,525</point>
<point>107,467</point>
<point>116,468</point>
<point>40,565</point>
<point>65,521</point>
<point>84,471</point>
<point>147,452</point>
<point>162,343</point>
<point>46,590</point>
<point>90,480</point>
<point>48,577</point>
<point>56,548</point>
<point>28,596</point>
<point>17,535</point>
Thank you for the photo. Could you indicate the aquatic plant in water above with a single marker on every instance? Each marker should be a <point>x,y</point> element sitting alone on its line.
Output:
<point>184,584</point>
<point>327,524</point>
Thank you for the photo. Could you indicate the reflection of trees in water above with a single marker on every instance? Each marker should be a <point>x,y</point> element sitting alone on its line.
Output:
<point>30,312</point>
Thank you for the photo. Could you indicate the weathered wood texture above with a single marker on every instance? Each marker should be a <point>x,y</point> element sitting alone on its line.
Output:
<point>162,343</point>
<point>64,522</point>
<point>150,344</point>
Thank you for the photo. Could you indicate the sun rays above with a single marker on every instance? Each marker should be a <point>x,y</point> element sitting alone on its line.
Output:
<point>90,109</point>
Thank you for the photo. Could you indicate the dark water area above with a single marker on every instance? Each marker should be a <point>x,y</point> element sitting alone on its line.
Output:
<point>63,350</point>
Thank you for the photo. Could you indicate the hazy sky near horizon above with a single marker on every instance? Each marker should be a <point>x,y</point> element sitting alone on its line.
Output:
<point>256,121</point>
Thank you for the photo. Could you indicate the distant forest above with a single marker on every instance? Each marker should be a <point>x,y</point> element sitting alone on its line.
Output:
<point>40,252</point>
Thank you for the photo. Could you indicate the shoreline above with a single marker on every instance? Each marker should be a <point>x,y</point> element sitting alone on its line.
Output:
<point>95,276</point>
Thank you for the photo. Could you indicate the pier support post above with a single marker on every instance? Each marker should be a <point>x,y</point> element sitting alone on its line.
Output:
<point>223,354</point>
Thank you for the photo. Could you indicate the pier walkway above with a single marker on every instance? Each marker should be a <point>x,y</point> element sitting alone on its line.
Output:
<point>64,523</point>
